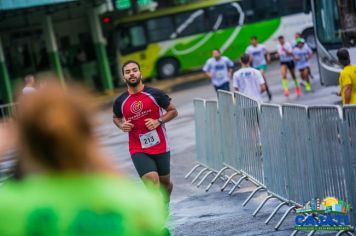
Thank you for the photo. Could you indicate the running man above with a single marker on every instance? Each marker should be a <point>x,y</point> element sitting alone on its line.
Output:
<point>219,70</point>
<point>258,55</point>
<point>302,55</point>
<point>347,77</point>
<point>138,111</point>
<point>285,54</point>
<point>248,80</point>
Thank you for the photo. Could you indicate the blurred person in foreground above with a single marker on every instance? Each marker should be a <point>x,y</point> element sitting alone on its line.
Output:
<point>68,186</point>
<point>347,79</point>
<point>29,84</point>
<point>248,80</point>
<point>139,112</point>
<point>219,70</point>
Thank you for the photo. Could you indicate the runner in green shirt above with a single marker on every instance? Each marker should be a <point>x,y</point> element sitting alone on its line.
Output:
<point>68,187</point>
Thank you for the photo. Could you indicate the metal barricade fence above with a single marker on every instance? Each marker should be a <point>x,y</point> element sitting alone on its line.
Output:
<point>228,126</point>
<point>213,136</point>
<point>325,129</point>
<point>299,156</point>
<point>7,111</point>
<point>296,152</point>
<point>200,138</point>
<point>274,156</point>
<point>350,140</point>
<point>200,129</point>
<point>248,137</point>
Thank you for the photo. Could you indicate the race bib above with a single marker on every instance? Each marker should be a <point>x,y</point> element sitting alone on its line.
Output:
<point>149,139</point>
<point>220,75</point>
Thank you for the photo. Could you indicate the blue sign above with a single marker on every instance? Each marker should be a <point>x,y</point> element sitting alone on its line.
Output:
<point>328,214</point>
<point>16,4</point>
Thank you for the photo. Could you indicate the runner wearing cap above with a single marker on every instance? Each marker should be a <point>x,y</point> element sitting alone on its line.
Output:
<point>302,55</point>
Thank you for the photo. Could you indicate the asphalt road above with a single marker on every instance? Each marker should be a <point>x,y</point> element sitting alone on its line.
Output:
<point>193,211</point>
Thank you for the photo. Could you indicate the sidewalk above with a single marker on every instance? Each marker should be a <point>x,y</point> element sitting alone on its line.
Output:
<point>167,85</point>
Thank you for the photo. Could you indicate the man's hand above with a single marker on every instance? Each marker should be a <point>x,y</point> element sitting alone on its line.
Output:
<point>151,124</point>
<point>126,126</point>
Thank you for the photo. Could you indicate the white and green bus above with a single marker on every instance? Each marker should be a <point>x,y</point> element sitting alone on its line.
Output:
<point>335,27</point>
<point>181,38</point>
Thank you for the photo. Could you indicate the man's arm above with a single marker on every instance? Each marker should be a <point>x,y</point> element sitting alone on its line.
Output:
<point>263,87</point>
<point>268,56</point>
<point>347,93</point>
<point>171,113</point>
<point>125,126</point>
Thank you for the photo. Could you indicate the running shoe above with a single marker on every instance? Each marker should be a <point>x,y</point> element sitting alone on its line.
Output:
<point>298,91</point>
<point>286,92</point>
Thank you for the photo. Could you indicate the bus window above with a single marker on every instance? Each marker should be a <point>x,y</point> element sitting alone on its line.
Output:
<point>347,10</point>
<point>291,7</point>
<point>223,16</point>
<point>327,18</point>
<point>160,29</point>
<point>132,38</point>
<point>189,23</point>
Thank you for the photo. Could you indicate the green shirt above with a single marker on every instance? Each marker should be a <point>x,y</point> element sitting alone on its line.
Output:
<point>79,205</point>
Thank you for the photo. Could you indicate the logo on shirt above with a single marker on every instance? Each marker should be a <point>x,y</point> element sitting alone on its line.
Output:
<point>136,107</point>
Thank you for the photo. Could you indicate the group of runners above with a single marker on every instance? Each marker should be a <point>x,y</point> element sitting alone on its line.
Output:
<point>295,55</point>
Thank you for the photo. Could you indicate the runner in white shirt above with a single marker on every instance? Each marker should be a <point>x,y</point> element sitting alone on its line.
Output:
<point>298,35</point>
<point>285,54</point>
<point>219,69</point>
<point>302,55</point>
<point>258,55</point>
<point>248,80</point>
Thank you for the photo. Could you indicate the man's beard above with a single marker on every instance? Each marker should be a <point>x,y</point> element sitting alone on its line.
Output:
<point>133,84</point>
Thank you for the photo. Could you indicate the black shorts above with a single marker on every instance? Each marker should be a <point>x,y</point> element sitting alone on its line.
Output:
<point>145,163</point>
<point>290,64</point>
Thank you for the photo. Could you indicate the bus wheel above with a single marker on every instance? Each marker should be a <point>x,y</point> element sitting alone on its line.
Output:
<point>309,37</point>
<point>167,67</point>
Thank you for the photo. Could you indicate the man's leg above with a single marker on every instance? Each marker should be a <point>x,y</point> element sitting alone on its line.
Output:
<point>167,184</point>
<point>163,164</point>
<point>146,168</point>
<point>291,69</point>
<point>284,79</point>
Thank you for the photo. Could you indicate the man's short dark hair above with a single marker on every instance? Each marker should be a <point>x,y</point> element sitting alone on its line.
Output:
<point>245,58</point>
<point>280,37</point>
<point>254,37</point>
<point>129,62</point>
<point>217,49</point>
<point>343,56</point>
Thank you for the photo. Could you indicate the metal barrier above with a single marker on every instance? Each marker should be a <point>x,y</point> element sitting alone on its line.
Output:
<point>200,137</point>
<point>228,137</point>
<point>295,152</point>
<point>325,129</point>
<point>248,137</point>
<point>350,140</point>
<point>7,111</point>
<point>299,155</point>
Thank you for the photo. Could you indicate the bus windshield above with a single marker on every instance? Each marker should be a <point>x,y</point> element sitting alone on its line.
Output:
<point>327,17</point>
<point>337,21</point>
<point>347,9</point>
